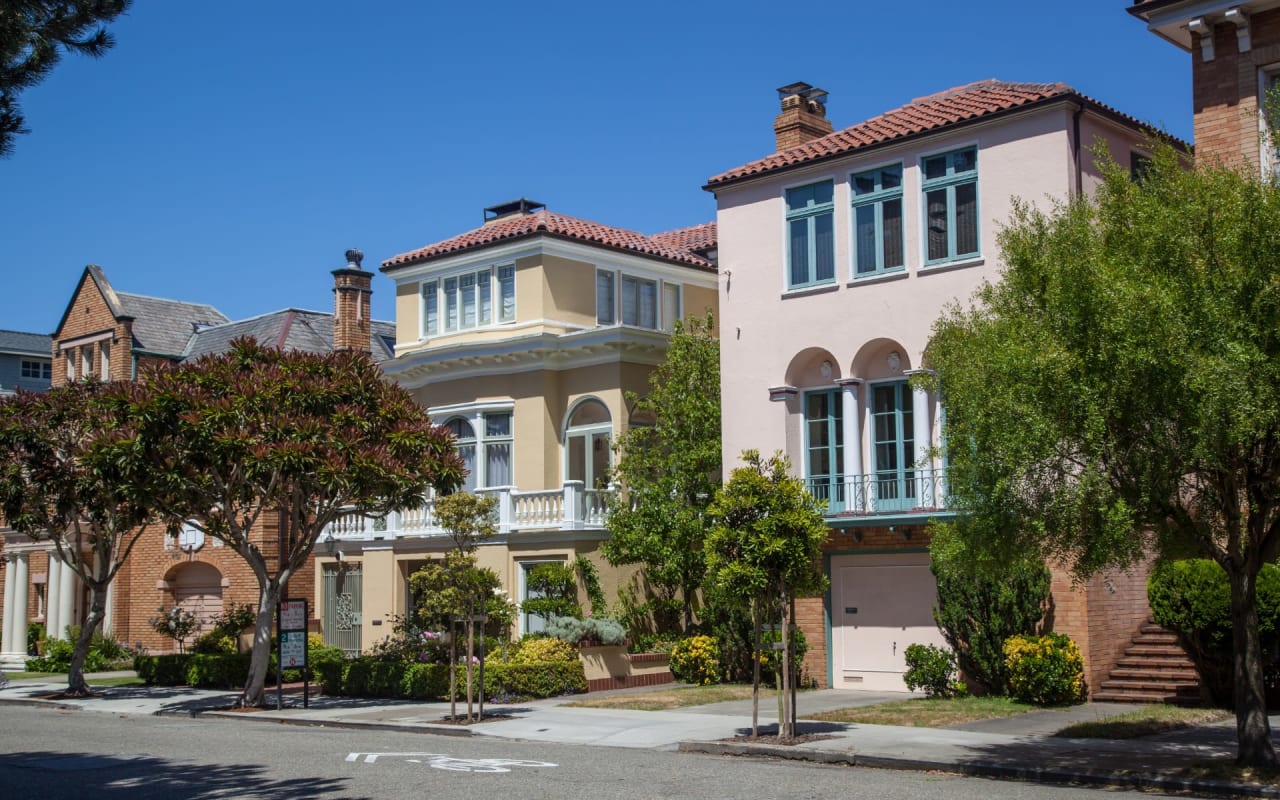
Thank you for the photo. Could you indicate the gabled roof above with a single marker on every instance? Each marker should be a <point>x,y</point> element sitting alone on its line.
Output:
<point>288,329</point>
<point>558,226</point>
<point>27,344</point>
<point>697,238</point>
<point>165,327</point>
<point>951,108</point>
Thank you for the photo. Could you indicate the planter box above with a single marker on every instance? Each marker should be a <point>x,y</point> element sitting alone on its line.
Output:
<point>612,667</point>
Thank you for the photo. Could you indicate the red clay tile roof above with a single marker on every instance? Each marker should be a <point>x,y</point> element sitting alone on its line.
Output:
<point>698,238</point>
<point>922,115</point>
<point>559,226</point>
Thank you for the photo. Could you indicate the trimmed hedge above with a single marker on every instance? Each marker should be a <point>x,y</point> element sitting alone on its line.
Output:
<point>168,670</point>
<point>370,677</point>
<point>1192,598</point>
<point>201,670</point>
<point>1044,670</point>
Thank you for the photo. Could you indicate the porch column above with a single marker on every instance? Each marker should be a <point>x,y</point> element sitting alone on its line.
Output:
<point>940,484</point>
<point>851,412</point>
<point>922,434</point>
<point>53,583</point>
<point>66,596</point>
<point>18,634</point>
<point>6,634</point>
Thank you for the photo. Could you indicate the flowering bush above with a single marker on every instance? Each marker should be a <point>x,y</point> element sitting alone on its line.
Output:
<point>696,660</point>
<point>543,649</point>
<point>1046,670</point>
<point>176,623</point>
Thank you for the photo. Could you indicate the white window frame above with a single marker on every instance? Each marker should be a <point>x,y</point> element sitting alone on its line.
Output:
<point>587,432</point>
<point>611,317</point>
<point>477,417</point>
<point>467,300</point>
<point>669,319</point>
<point>104,352</point>
<point>524,566</point>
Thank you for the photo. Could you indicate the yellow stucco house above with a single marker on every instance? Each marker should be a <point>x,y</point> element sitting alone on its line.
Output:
<point>522,337</point>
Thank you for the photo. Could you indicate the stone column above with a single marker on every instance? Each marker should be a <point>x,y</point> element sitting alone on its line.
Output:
<point>923,435</point>
<point>66,596</point>
<point>6,635</point>
<point>854,481</point>
<point>53,581</point>
<point>18,638</point>
<point>940,484</point>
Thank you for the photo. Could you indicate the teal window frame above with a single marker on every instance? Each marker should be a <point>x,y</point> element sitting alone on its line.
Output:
<point>894,476</point>
<point>810,208</point>
<point>875,200</point>
<point>955,179</point>
<point>826,485</point>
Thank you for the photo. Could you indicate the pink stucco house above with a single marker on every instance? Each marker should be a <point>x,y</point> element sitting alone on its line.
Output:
<point>837,253</point>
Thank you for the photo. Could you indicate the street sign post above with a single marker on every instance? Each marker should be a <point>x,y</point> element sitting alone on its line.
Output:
<point>291,647</point>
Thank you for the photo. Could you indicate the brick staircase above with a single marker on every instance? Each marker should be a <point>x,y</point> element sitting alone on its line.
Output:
<point>1154,669</point>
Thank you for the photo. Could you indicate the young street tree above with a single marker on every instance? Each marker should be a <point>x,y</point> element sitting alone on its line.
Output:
<point>33,35</point>
<point>265,448</point>
<point>1118,391</point>
<point>763,550</point>
<point>669,471</point>
<point>71,467</point>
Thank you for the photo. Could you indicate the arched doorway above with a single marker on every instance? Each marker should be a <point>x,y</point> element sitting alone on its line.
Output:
<point>197,588</point>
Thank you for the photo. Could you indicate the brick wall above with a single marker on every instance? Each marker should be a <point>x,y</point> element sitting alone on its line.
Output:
<point>89,315</point>
<point>1225,91</point>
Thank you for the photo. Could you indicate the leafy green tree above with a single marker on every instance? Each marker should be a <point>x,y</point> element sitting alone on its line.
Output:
<point>553,592</point>
<point>764,550</point>
<point>1118,391</point>
<point>259,439</point>
<point>669,471</point>
<point>978,609</point>
<point>33,36</point>
<point>71,472</point>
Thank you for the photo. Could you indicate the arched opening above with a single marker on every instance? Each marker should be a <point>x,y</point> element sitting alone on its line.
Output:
<point>586,443</point>
<point>465,437</point>
<point>197,588</point>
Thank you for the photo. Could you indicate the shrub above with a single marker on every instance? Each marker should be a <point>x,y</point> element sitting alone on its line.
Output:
<point>931,670</point>
<point>556,590</point>
<point>548,679</point>
<point>35,635</point>
<point>696,660</point>
<point>1045,670</point>
<point>371,677</point>
<point>217,670</point>
<point>104,653</point>
<point>588,630</point>
<point>978,610</point>
<point>541,650</point>
<point>166,670</point>
<point>1192,598</point>
<point>175,623</point>
<point>213,642</point>
<point>771,659</point>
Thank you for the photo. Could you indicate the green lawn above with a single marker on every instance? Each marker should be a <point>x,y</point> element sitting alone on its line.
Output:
<point>927,712</point>
<point>127,680</point>
<point>17,676</point>
<point>676,697</point>
<point>1143,722</point>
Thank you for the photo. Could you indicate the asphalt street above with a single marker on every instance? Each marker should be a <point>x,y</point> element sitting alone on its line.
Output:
<point>52,755</point>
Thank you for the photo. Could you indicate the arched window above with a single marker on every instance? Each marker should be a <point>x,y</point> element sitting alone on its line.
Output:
<point>586,442</point>
<point>466,441</point>
<point>493,445</point>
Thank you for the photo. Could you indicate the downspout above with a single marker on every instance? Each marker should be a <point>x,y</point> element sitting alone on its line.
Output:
<point>1075,133</point>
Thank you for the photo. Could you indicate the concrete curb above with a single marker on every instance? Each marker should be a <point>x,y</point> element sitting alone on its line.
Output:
<point>1105,778</point>
<point>439,730</point>
<point>56,705</point>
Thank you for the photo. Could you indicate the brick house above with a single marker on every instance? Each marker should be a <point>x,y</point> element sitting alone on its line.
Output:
<point>109,335</point>
<point>521,337</point>
<point>839,251</point>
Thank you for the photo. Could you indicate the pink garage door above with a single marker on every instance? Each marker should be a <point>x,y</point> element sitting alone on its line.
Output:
<point>879,605</point>
<point>197,588</point>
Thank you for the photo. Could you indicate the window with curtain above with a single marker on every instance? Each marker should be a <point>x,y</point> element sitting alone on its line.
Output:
<point>950,187</point>
<point>469,300</point>
<point>639,302</point>
<point>670,306</point>
<point>465,437</point>
<point>811,248</point>
<point>877,221</point>
<point>484,442</point>
<point>507,294</point>
<point>604,298</point>
<point>430,309</point>
<point>586,442</point>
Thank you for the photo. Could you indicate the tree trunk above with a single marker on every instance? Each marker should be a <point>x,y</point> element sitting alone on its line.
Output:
<point>254,694</point>
<point>756,655</point>
<point>77,686</point>
<point>1253,730</point>
<point>453,668</point>
<point>471,652</point>
<point>784,723</point>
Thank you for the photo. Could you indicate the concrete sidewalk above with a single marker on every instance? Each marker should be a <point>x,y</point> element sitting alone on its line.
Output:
<point>1014,747</point>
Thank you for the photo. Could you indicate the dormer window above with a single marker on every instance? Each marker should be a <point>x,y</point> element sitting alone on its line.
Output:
<point>469,300</point>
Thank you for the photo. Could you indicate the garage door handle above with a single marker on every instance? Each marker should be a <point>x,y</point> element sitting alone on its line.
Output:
<point>895,648</point>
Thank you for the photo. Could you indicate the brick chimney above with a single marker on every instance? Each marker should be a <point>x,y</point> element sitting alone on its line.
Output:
<point>803,116</point>
<point>351,293</point>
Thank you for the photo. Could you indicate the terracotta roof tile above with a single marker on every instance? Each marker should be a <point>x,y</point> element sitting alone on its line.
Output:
<point>698,238</point>
<point>922,115</point>
<point>562,226</point>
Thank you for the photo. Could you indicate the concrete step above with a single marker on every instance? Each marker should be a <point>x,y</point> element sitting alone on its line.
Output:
<point>1158,650</point>
<point>1139,685</point>
<point>1155,662</point>
<point>1155,638</point>
<point>1146,672</point>
<point>1148,697</point>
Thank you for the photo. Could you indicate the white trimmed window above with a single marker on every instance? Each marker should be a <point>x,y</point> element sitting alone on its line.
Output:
<point>470,300</point>
<point>605,298</point>
<point>484,442</point>
<point>105,350</point>
<point>586,444</point>
<point>636,301</point>
<point>39,370</point>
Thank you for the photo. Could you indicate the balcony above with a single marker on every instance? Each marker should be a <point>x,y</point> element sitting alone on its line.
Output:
<point>877,497</point>
<point>571,508</point>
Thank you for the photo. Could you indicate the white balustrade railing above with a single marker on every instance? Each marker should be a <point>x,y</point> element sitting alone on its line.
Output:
<point>569,508</point>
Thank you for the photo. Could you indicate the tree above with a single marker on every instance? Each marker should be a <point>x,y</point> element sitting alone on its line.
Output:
<point>669,471</point>
<point>763,549</point>
<point>1118,391</point>
<point>71,463</point>
<point>455,587</point>
<point>264,448</point>
<point>33,36</point>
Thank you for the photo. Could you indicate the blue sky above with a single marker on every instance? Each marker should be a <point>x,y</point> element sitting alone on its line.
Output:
<point>230,152</point>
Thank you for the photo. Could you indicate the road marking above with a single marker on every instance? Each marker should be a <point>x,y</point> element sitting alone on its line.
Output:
<point>447,762</point>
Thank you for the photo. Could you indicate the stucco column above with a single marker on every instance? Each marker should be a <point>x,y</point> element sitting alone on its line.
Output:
<point>940,465</point>
<point>855,493</point>
<point>922,435</point>
<point>66,596</point>
<point>53,582</point>
<point>18,638</point>
<point>6,634</point>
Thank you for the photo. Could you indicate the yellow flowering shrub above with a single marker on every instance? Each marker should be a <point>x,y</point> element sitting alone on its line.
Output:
<point>538,651</point>
<point>696,660</point>
<point>1045,670</point>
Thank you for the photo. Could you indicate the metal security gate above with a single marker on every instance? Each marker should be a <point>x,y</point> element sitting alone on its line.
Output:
<point>341,594</point>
